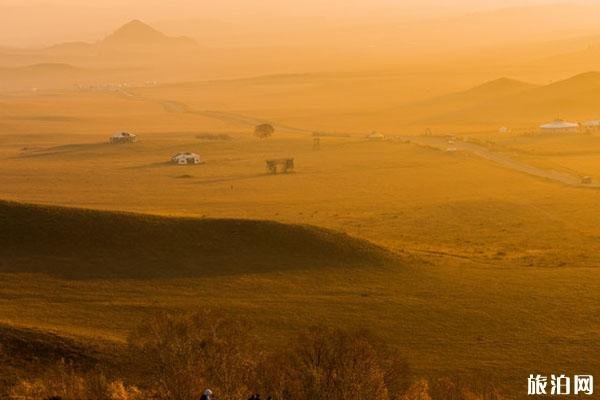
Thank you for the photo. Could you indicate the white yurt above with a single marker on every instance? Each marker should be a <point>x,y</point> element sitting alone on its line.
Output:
<point>186,158</point>
<point>123,137</point>
<point>375,136</point>
<point>560,126</point>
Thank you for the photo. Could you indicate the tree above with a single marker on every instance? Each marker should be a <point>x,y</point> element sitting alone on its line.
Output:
<point>183,355</point>
<point>263,131</point>
<point>326,364</point>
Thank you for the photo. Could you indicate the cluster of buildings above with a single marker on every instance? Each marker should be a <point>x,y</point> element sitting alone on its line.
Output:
<point>113,87</point>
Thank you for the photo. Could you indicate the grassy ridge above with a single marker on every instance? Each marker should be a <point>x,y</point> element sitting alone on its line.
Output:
<point>76,243</point>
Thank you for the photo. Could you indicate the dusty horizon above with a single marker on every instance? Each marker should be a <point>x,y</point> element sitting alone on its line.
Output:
<point>33,23</point>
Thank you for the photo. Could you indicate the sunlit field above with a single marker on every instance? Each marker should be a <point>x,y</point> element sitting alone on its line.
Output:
<point>496,261</point>
<point>426,203</point>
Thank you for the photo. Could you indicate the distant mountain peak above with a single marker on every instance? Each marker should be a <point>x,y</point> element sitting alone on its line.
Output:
<point>136,23</point>
<point>134,32</point>
<point>138,33</point>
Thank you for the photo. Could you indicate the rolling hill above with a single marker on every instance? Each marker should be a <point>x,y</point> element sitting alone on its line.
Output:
<point>488,91</point>
<point>575,98</point>
<point>92,244</point>
<point>505,102</point>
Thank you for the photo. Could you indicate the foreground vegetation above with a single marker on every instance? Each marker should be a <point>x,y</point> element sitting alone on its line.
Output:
<point>493,262</point>
<point>176,357</point>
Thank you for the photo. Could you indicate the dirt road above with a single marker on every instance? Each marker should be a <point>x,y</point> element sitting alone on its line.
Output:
<point>239,119</point>
<point>446,144</point>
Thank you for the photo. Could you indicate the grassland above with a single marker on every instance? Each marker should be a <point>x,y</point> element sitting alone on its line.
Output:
<point>497,276</point>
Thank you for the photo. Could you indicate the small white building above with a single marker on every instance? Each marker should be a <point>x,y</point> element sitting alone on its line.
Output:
<point>560,126</point>
<point>123,137</point>
<point>186,158</point>
<point>375,136</point>
<point>504,129</point>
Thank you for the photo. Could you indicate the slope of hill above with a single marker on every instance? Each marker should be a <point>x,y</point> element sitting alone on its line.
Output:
<point>485,92</point>
<point>505,102</point>
<point>85,244</point>
<point>585,83</point>
<point>576,98</point>
<point>498,87</point>
<point>441,110</point>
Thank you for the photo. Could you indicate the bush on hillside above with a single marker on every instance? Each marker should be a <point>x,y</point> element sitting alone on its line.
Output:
<point>66,383</point>
<point>332,364</point>
<point>181,356</point>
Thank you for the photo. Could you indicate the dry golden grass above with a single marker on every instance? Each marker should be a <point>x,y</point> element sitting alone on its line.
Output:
<point>510,287</point>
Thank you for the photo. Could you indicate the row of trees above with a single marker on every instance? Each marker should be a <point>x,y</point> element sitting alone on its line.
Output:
<point>177,357</point>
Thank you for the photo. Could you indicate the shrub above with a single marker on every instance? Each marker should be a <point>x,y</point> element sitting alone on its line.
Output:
<point>332,364</point>
<point>65,383</point>
<point>336,365</point>
<point>182,355</point>
<point>263,131</point>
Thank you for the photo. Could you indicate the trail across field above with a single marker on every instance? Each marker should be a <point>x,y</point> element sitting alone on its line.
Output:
<point>446,144</point>
<point>239,119</point>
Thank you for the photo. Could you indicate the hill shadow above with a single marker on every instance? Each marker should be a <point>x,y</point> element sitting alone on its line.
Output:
<point>87,244</point>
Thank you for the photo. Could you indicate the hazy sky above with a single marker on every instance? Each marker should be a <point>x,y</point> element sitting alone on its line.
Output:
<point>35,22</point>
